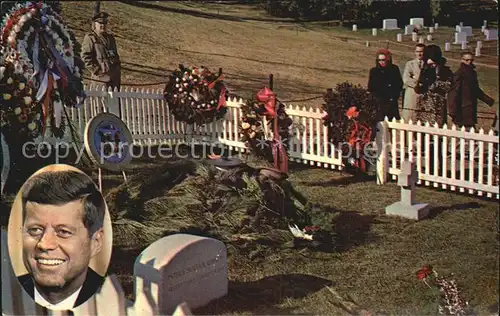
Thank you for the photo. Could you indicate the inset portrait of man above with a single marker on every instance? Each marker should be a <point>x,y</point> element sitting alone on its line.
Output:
<point>60,237</point>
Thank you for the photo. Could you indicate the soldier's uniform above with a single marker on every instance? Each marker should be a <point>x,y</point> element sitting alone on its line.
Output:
<point>100,55</point>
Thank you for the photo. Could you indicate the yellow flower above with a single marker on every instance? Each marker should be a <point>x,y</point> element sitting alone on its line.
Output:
<point>17,111</point>
<point>7,96</point>
<point>245,125</point>
<point>31,126</point>
<point>27,100</point>
<point>10,81</point>
<point>22,86</point>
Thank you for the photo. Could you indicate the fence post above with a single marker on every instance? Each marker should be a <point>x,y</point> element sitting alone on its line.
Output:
<point>112,103</point>
<point>382,140</point>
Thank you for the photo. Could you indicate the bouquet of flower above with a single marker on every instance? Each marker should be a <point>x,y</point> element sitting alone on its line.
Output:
<point>196,95</point>
<point>339,101</point>
<point>252,127</point>
<point>40,72</point>
<point>452,301</point>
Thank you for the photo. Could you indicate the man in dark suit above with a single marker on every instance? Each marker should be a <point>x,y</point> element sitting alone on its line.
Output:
<point>63,215</point>
<point>464,93</point>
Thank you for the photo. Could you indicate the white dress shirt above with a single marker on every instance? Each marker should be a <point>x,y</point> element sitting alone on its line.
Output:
<point>66,304</point>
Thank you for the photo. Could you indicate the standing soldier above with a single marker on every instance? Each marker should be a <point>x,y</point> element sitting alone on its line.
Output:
<point>100,54</point>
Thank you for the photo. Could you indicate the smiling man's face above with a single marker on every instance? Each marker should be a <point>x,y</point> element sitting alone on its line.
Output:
<point>56,245</point>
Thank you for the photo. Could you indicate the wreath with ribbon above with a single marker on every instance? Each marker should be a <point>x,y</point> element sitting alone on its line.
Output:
<point>40,72</point>
<point>196,95</point>
<point>351,114</point>
<point>253,128</point>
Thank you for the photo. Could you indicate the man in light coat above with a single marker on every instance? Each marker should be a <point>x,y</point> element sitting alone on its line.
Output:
<point>410,79</point>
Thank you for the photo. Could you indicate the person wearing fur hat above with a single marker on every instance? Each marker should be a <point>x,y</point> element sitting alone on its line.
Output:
<point>385,84</point>
<point>433,85</point>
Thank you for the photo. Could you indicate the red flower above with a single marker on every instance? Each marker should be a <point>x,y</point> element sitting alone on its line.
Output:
<point>424,272</point>
<point>352,112</point>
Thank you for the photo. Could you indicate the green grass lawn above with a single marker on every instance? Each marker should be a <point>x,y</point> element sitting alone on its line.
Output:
<point>375,259</point>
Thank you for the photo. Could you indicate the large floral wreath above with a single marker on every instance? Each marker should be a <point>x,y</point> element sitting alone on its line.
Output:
<point>196,95</point>
<point>39,73</point>
<point>252,127</point>
<point>351,114</point>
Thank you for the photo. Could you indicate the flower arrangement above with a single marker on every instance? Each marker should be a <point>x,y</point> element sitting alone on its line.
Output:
<point>196,95</point>
<point>337,104</point>
<point>452,301</point>
<point>39,74</point>
<point>253,130</point>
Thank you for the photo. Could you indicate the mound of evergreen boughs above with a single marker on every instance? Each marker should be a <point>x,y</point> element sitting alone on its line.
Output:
<point>239,207</point>
<point>339,100</point>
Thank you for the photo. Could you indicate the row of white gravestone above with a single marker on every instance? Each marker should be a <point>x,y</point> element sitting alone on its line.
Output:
<point>392,24</point>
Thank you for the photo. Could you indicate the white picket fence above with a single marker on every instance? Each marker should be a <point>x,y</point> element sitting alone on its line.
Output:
<point>465,161</point>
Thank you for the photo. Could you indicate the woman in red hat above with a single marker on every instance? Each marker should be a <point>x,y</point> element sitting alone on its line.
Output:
<point>385,84</point>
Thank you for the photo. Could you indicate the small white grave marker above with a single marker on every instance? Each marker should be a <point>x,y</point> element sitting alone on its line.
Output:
<point>421,40</point>
<point>463,46</point>
<point>407,207</point>
<point>414,37</point>
<point>461,23</point>
<point>390,24</point>
<point>374,32</point>
<point>367,44</point>
<point>479,44</point>
<point>399,37</point>
<point>485,23</point>
<point>491,34</point>
<point>409,29</point>
<point>431,30</point>
<point>355,27</point>
<point>429,37</point>
<point>436,26</point>
<point>183,268</point>
<point>483,28</point>
<point>447,47</point>
<point>465,29</point>
<point>478,51</point>
<point>460,37</point>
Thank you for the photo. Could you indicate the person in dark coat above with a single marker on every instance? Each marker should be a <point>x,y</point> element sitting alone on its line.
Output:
<point>385,84</point>
<point>465,90</point>
<point>433,85</point>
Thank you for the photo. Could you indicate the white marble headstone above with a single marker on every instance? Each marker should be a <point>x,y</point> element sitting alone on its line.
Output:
<point>399,37</point>
<point>417,21</point>
<point>431,30</point>
<point>447,47</point>
<point>409,29</point>
<point>465,29</point>
<point>460,37</point>
<point>374,32</point>
<point>354,27</point>
<point>390,24</point>
<point>478,51</point>
<point>491,34</point>
<point>436,25</point>
<point>414,37</point>
<point>183,268</point>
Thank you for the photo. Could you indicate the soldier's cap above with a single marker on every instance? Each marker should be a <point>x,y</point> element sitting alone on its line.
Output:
<point>101,17</point>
